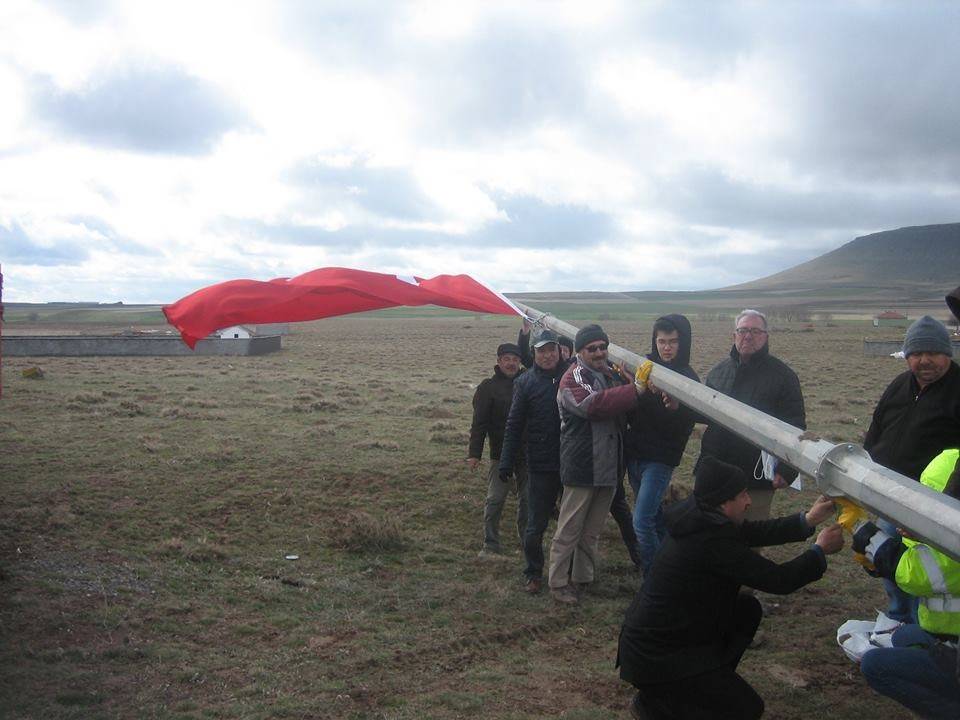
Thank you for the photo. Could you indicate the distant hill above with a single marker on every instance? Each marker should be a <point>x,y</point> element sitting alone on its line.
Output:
<point>917,260</point>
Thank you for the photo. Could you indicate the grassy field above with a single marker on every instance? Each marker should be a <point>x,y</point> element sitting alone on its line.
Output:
<point>149,504</point>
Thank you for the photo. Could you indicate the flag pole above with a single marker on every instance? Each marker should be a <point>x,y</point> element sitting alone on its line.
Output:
<point>843,469</point>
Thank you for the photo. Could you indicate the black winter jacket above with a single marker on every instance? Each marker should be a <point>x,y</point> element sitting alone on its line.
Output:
<point>681,622</point>
<point>534,410</point>
<point>911,427</point>
<point>654,433</point>
<point>491,403</point>
<point>765,383</point>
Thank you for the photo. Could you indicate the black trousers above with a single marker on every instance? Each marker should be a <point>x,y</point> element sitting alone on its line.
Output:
<point>720,694</point>
<point>620,510</point>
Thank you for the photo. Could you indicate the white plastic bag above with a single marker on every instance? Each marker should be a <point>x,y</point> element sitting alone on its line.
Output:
<point>856,637</point>
<point>767,464</point>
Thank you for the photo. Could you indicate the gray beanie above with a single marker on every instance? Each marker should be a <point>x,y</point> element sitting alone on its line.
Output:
<point>927,335</point>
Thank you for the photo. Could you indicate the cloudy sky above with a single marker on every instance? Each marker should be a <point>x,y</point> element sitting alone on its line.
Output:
<point>149,149</point>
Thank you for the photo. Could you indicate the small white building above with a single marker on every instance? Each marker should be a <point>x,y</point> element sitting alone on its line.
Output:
<point>237,332</point>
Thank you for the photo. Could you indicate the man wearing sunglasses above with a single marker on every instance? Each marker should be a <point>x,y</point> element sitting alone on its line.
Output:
<point>593,406</point>
<point>754,377</point>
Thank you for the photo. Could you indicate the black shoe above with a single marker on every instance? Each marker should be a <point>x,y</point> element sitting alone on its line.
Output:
<point>636,708</point>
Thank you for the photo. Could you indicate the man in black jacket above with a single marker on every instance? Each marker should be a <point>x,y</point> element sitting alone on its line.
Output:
<point>687,629</point>
<point>917,416</point>
<point>657,434</point>
<point>491,403</point>
<point>754,377</point>
<point>534,411</point>
<point>619,508</point>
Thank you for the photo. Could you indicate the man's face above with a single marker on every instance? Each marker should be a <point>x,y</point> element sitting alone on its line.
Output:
<point>928,367</point>
<point>546,356</point>
<point>736,508</point>
<point>509,364</point>
<point>749,337</point>
<point>594,355</point>
<point>565,352</point>
<point>668,345</point>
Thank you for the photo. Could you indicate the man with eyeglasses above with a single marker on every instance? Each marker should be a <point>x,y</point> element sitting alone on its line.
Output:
<point>656,436</point>
<point>593,405</point>
<point>754,377</point>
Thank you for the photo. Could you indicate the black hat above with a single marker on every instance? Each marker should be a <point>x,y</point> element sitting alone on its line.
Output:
<point>508,349</point>
<point>953,302</point>
<point>546,337</point>
<point>717,481</point>
<point>588,334</point>
<point>566,342</point>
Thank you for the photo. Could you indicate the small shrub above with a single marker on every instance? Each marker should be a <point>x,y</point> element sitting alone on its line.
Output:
<point>388,445</point>
<point>448,437</point>
<point>361,532</point>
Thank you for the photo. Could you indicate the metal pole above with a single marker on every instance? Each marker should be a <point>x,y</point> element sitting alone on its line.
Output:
<point>839,470</point>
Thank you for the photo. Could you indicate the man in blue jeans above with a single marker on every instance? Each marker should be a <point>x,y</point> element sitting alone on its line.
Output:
<point>657,435</point>
<point>920,671</point>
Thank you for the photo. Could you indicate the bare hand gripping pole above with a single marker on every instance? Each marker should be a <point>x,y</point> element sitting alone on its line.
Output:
<point>839,470</point>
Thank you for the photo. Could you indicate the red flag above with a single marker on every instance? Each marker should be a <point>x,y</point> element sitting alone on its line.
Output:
<point>323,293</point>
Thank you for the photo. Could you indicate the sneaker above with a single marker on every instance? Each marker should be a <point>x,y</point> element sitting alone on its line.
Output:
<point>566,595</point>
<point>533,586</point>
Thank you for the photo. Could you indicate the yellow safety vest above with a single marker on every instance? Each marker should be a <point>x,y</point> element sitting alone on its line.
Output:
<point>928,573</point>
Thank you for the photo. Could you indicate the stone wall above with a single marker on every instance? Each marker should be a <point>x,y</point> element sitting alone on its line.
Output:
<point>93,345</point>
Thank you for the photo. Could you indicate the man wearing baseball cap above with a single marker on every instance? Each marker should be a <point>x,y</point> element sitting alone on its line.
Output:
<point>535,417</point>
<point>685,632</point>
<point>917,416</point>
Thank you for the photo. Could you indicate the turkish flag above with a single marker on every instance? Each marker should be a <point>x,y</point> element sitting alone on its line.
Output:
<point>321,293</point>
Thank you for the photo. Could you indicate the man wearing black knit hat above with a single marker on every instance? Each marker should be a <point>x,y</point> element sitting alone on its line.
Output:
<point>688,627</point>
<point>593,405</point>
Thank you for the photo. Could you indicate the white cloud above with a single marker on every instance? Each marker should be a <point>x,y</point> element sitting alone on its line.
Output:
<point>685,146</point>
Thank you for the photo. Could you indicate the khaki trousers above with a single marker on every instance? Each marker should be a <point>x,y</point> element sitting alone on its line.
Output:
<point>574,550</point>
<point>760,502</point>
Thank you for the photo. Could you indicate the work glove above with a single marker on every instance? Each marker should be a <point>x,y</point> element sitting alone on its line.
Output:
<point>642,378</point>
<point>505,476</point>
<point>851,515</point>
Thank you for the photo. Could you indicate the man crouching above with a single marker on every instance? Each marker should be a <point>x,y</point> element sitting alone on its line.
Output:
<point>686,630</point>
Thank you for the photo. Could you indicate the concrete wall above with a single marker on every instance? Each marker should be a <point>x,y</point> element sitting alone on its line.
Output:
<point>92,345</point>
<point>887,347</point>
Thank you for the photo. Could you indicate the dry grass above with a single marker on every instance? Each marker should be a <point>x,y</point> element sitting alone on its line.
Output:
<point>149,504</point>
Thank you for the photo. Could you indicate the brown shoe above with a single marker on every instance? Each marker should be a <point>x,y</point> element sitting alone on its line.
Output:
<point>533,586</point>
<point>566,595</point>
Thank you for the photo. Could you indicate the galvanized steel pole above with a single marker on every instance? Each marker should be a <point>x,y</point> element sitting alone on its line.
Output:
<point>839,470</point>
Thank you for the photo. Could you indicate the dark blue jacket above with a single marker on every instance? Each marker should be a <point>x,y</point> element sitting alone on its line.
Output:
<point>534,408</point>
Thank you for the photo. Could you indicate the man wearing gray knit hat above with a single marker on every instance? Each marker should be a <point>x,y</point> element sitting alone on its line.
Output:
<point>917,416</point>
